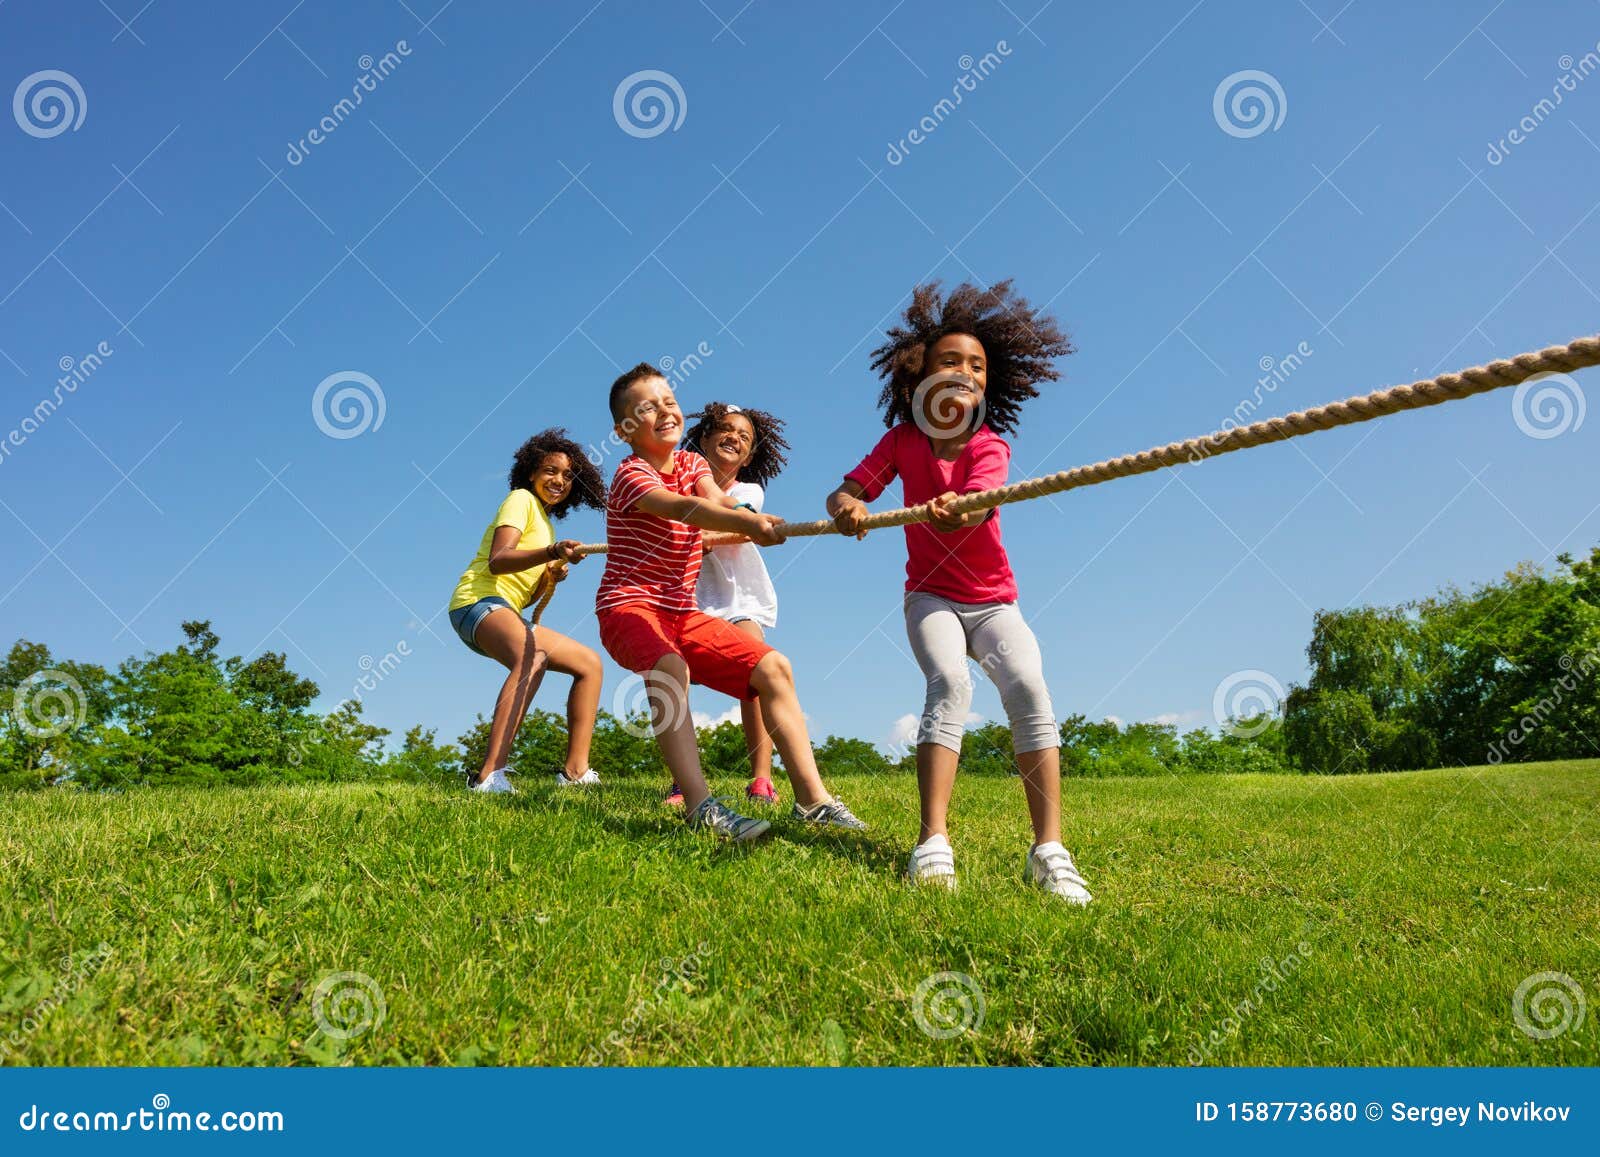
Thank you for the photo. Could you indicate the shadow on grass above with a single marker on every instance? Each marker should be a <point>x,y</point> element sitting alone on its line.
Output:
<point>634,812</point>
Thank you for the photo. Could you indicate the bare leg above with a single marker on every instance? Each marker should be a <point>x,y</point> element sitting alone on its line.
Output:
<point>773,683</point>
<point>504,637</point>
<point>1041,782</point>
<point>936,782</point>
<point>756,739</point>
<point>583,702</point>
<point>668,684</point>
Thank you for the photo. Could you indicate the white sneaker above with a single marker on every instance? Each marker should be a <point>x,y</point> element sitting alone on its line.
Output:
<point>495,783</point>
<point>934,863</point>
<point>1050,867</point>
<point>588,779</point>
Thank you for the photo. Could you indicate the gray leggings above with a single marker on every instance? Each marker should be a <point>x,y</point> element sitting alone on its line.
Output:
<point>944,634</point>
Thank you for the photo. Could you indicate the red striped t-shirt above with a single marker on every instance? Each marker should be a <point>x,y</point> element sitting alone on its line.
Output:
<point>652,560</point>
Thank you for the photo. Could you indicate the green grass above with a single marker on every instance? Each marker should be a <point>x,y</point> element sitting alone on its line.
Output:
<point>536,930</point>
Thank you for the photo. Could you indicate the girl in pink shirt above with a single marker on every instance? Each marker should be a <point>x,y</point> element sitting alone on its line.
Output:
<point>955,376</point>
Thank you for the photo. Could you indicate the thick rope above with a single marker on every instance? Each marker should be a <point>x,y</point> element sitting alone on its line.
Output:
<point>1575,355</point>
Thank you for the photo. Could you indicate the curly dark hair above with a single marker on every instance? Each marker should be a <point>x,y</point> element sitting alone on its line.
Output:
<point>588,489</point>
<point>1019,342</point>
<point>767,456</point>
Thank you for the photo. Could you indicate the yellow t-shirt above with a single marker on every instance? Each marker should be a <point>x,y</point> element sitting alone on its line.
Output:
<point>523,510</point>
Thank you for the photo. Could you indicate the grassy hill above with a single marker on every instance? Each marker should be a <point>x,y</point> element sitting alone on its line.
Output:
<point>1383,919</point>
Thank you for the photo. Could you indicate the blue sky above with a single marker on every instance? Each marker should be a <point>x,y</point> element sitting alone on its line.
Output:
<point>484,239</point>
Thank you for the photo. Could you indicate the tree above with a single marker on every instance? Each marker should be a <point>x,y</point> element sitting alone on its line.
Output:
<point>839,756</point>
<point>421,759</point>
<point>47,708</point>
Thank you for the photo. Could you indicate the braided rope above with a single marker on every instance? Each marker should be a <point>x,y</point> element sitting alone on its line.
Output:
<point>1575,355</point>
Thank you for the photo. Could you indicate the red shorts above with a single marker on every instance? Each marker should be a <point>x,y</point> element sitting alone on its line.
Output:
<point>720,656</point>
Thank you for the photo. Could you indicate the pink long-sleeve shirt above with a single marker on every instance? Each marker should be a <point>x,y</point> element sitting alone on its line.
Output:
<point>967,565</point>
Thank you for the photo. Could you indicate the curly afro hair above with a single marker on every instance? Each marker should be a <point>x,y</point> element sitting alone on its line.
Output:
<point>587,487</point>
<point>767,456</point>
<point>1020,343</point>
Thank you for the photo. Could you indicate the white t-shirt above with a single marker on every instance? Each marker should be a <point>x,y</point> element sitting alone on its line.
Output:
<point>734,583</point>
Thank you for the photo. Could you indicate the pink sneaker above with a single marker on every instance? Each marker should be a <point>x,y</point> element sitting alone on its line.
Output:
<point>762,789</point>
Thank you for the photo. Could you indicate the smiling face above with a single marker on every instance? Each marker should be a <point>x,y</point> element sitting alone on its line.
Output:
<point>653,422</point>
<point>955,376</point>
<point>552,479</point>
<point>730,446</point>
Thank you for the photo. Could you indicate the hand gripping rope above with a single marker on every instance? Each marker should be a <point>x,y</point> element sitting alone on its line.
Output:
<point>1575,355</point>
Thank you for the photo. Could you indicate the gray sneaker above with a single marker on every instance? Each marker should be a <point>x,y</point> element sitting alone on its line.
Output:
<point>833,814</point>
<point>718,818</point>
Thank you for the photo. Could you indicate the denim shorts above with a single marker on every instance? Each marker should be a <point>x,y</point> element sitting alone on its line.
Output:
<point>466,620</point>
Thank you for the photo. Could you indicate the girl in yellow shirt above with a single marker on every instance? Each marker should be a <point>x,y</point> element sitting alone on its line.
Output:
<point>518,553</point>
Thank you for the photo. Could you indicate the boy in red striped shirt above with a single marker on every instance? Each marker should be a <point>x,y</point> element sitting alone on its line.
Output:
<point>659,501</point>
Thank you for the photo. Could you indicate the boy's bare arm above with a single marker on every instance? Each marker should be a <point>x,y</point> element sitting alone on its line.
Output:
<point>762,529</point>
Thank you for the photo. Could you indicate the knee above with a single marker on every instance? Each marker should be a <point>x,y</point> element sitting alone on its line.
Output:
<point>773,673</point>
<point>950,689</point>
<point>587,666</point>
